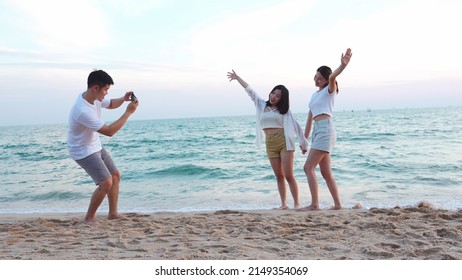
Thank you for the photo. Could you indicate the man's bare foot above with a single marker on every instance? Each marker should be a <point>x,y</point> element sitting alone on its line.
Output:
<point>308,208</point>
<point>283,207</point>
<point>116,216</point>
<point>297,206</point>
<point>91,222</point>
<point>335,208</point>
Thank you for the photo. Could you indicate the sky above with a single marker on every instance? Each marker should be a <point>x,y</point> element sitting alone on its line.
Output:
<point>175,54</point>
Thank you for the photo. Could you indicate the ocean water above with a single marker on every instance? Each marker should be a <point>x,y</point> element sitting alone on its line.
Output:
<point>383,158</point>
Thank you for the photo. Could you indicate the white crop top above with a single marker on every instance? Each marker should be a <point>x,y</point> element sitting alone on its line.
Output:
<point>322,102</point>
<point>271,119</point>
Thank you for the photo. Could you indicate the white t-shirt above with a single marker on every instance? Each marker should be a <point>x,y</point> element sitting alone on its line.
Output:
<point>322,102</point>
<point>84,122</point>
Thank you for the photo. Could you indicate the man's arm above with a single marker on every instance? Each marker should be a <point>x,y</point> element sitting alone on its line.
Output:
<point>117,102</point>
<point>110,130</point>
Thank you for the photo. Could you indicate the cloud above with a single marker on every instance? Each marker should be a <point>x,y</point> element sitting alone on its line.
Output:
<point>49,47</point>
<point>61,25</point>
<point>245,34</point>
<point>133,8</point>
<point>413,40</point>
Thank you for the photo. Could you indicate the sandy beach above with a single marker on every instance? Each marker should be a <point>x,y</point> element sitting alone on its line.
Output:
<point>419,233</point>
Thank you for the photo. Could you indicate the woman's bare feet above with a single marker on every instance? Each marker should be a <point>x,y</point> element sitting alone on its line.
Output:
<point>283,207</point>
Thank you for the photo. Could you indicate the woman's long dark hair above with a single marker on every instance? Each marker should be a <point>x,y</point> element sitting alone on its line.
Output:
<point>283,104</point>
<point>325,72</point>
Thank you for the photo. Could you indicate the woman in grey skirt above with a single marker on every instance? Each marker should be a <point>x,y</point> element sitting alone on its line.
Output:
<point>323,136</point>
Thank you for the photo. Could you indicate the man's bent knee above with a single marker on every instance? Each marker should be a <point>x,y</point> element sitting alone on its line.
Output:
<point>106,185</point>
<point>116,176</point>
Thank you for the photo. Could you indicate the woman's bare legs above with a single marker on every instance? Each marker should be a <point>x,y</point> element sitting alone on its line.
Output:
<point>326,172</point>
<point>287,160</point>
<point>322,158</point>
<point>276,164</point>
<point>314,158</point>
<point>283,169</point>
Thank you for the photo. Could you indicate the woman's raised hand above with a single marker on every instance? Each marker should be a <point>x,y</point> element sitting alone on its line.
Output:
<point>232,76</point>
<point>345,58</point>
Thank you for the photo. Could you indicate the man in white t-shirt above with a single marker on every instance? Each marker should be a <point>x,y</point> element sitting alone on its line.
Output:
<point>83,142</point>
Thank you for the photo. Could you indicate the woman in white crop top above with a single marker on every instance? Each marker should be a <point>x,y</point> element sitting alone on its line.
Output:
<point>280,127</point>
<point>323,137</point>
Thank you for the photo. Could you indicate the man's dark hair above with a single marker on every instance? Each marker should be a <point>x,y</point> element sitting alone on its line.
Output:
<point>99,78</point>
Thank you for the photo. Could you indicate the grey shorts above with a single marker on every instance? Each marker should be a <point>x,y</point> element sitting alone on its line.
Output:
<point>324,136</point>
<point>98,165</point>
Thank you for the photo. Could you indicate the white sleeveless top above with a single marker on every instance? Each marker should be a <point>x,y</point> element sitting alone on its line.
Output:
<point>322,102</point>
<point>271,119</point>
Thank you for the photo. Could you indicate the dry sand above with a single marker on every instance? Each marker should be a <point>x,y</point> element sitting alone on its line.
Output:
<point>399,233</point>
